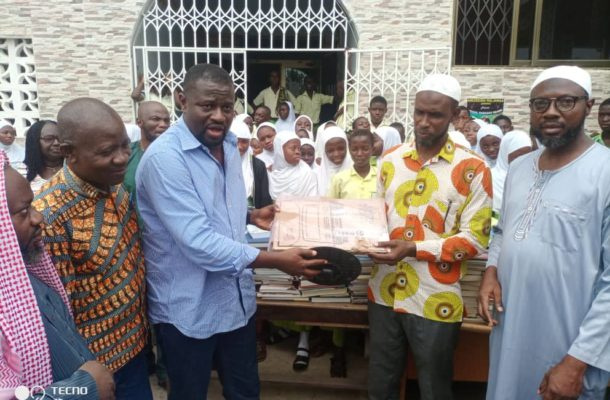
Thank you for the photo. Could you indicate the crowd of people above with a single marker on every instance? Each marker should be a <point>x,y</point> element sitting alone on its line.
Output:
<point>109,241</point>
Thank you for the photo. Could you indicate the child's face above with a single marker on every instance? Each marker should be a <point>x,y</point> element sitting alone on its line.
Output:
<point>490,146</point>
<point>361,150</point>
<point>308,154</point>
<point>470,132</point>
<point>283,111</point>
<point>266,135</point>
<point>377,111</point>
<point>302,134</point>
<point>256,146</point>
<point>303,123</point>
<point>292,151</point>
<point>377,145</point>
<point>336,150</point>
<point>362,123</point>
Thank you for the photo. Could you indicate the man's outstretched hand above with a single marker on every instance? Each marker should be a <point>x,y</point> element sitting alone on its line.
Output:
<point>295,262</point>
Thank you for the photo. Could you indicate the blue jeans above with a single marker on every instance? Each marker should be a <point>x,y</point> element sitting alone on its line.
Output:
<point>189,363</point>
<point>132,380</point>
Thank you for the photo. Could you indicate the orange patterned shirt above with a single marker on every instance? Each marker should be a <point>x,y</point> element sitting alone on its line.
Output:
<point>94,242</point>
<point>444,206</point>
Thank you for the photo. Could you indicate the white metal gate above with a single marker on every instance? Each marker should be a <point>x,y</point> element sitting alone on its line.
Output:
<point>394,74</point>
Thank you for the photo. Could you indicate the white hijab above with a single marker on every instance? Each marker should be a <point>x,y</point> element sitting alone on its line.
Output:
<point>328,169</point>
<point>390,137</point>
<point>241,130</point>
<point>512,141</point>
<point>306,141</point>
<point>459,138</point>
<point>14,152</point>
<point>309,132</point>
<point>288,123</point>
<point>287,179</point>
<point>319,147</point>
<point>266,156</point>
<point>481,124</point>
<point>488,130</point>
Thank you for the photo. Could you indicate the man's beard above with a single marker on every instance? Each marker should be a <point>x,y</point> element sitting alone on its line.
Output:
<point>562,141</point>
<point>429,141</point>
<point>31,256</point>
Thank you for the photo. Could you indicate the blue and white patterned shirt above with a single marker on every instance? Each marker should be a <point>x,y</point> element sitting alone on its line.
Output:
<point>194,213</point>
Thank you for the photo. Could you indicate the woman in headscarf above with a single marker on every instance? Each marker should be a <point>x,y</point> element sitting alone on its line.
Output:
<point>253,170</point>
<point>304,122</point>
<point>514,144</point>
<point>290,175</point>
<point>15,152</point>
<point>286,117</point>
<point>318,139</point>
<point>471,128</point>
<point>488,143</point>
<point>335,157</point>
<point>265,134</point>
<point>43,157</point>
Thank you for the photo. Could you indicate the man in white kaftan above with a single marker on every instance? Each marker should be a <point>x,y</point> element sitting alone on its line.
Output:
<point>549,262</point>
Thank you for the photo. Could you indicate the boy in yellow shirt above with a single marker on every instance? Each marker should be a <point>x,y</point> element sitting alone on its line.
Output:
<point>360,181</point>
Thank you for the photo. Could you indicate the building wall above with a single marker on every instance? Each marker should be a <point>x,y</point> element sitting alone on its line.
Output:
<point>82,48</point>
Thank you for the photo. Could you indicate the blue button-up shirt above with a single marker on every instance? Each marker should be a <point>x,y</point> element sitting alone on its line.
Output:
<point>194,213</point>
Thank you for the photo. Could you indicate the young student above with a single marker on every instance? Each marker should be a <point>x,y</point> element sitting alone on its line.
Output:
<point>265,133</point>
<point>359,181</point>
<point>286,117</point>
<point>505,124</point>
<point>308,153</point>
<point>361,123</point>
<point>389,136</point>
<point>256,146</point>
<point>401,130</point>
<point>304,122</point>
<point>253,169</point>
<point>378,107</point>
<point>246,119</point>
<point>261,114</point>
<point>335,157</point>
<point>471,128</point>
<point>290,175</point>
<point>488,143</point>
<point>318,139</point>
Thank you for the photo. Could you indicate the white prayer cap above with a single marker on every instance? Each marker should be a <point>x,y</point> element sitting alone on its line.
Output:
<point>241,130</point>
<point>443,84</point>
<point>575,74</point>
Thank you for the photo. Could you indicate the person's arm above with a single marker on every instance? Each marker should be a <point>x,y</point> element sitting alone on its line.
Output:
<point>260,98</point>
<point>79,386</point>
<point>165,183</point>
<point>326,99</point>
<point>137,94</point>
<point>592,345</point>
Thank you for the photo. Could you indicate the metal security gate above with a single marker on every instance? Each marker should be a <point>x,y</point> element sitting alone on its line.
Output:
<point>173,35</point>
<point>392,73</point>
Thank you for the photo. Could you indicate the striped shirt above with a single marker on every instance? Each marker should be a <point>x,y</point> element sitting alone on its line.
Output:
<point>93,239</point>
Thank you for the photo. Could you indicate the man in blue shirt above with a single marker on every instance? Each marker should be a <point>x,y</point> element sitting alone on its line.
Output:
<point>192,199</point>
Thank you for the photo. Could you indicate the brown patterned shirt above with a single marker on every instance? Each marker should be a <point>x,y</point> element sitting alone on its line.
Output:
<point>94,242</point>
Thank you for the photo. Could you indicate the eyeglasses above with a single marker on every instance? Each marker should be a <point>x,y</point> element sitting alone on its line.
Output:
<point>562,103</point>
<point>49,139</point>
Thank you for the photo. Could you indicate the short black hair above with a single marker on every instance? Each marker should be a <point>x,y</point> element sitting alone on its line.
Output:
<point>463,108</point>
<point>502,117</point>
<point>605,103</point>
<point>378,99</point>
<point>401,130</point>
<point>33,155</point>
<point>356,120</point>
<point>265,107</point>
<point>361,133</point>
<point>206,72</point>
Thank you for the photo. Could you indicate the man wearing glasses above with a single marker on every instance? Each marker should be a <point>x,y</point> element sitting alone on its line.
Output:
<point>548,272</point>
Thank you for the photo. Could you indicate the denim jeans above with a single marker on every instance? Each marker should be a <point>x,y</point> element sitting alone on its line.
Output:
<point>132,380</point>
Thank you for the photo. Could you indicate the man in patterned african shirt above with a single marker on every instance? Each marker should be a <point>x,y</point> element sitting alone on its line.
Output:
<point>438,200</point>
<point>92,236</point>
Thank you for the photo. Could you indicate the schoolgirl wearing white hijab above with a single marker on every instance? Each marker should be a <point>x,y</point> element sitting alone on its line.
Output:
<point>318,139</point>
<point>514,144</point>
<point>471,129</point>
<point>266,133</point>
<point>390,137</point>
<point>15,152</point>
<point>335,157</point>
<point>308,153</point>
<point>246,119</point>
<point>304,122</point>
<point>489,138</point>
<point>240,129</point>
<point>285,123</point>
<point>290,175</point>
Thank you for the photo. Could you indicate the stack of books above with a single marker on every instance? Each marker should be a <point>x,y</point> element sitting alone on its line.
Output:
<point>324,294</point>
<point>359,287</point>
<point>274,284</point>
<point>470,288</point>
